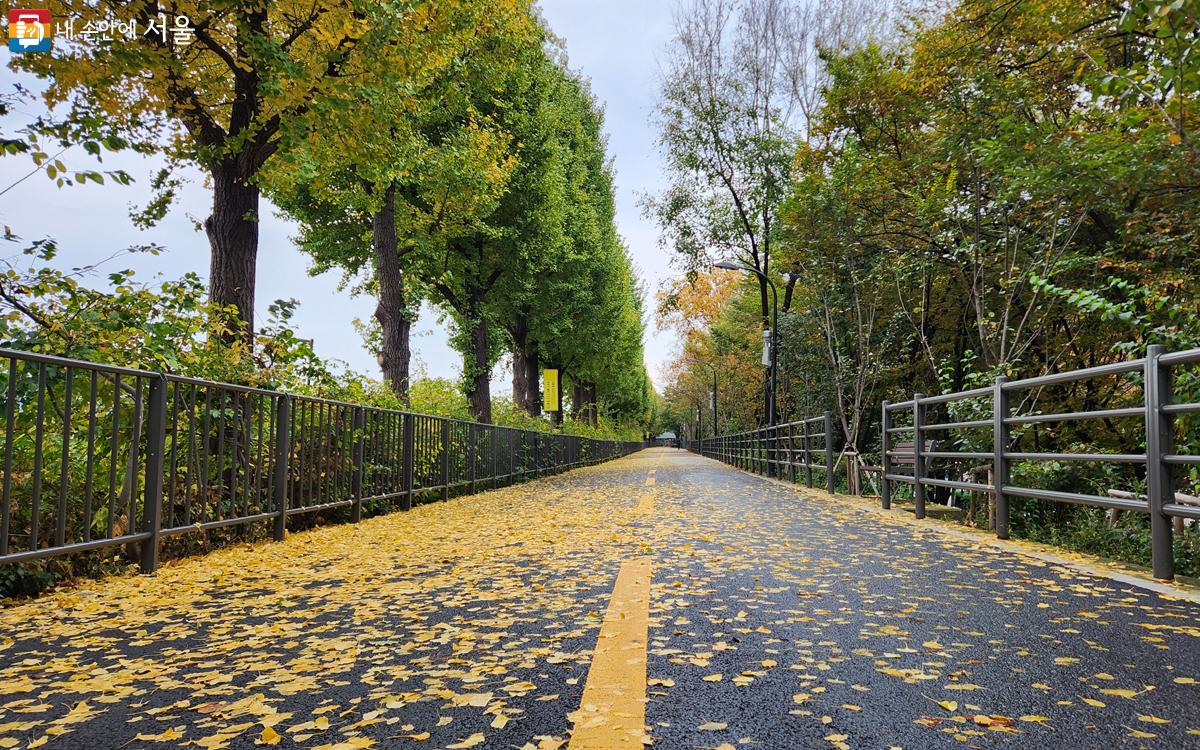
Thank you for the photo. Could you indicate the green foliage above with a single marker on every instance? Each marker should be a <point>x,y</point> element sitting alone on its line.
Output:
<point>438,396</point>
<point>1009,189</point>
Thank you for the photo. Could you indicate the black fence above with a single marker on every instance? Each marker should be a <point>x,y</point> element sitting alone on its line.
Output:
<point>100,456</point>
<point>970,441</point>
<point>1149,423</point>
<point>786,451</point>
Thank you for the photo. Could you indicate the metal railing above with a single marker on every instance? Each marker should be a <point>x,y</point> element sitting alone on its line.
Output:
<point>779,451</point>
<point>996,436</point>
<point>99,456</point>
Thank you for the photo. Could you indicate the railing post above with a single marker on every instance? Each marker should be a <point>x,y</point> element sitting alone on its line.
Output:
<point>1001,468</point>
<point>408,444</point>
<point>830,483</point>
<point>282,472</point>
<point>885,461</point>
<point>156,438</point>
<point>471,455</point>
<point>807,456</point>
<point>918,456</point>
<point>360,440</point>
<point>445,459</point>
<point>494,444</point>
<point>769,450</point>
<point>791,459</point>
<point>1160,489</point>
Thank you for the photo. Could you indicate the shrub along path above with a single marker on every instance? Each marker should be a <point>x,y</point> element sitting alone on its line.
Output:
<point>729,612</point>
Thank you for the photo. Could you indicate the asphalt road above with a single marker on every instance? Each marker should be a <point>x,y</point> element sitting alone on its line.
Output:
<point>777,619</point>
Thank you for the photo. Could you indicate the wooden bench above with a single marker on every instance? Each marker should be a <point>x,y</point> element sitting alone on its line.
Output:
<point>904,459</point>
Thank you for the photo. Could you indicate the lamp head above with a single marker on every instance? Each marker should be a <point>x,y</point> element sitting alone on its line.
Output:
<point>728,265</point>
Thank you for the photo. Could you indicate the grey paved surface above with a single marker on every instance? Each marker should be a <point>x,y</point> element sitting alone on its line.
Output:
<point>826,628</point>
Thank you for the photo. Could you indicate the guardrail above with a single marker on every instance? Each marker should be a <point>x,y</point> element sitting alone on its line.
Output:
<point>1156,413</point>
<point>780,450</point>
<point>99,456</point>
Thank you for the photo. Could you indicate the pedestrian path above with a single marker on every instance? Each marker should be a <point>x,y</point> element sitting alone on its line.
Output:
<point>660,599</point>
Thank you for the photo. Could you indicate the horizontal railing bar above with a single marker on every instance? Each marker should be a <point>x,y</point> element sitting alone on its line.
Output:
<point>1075,498</point>
<point>68,549</point>
<point>957,396</point>
<point>1187,356</point>
<point>952,484</point>
<point>1132,411</point>
<point>953,454</point>
<point>1174,458</point>
<point>1116,458</point>
<point>50,359</point>
<point>901,429</point>
<point>305,509</point>
<point>900,405</point>
<point>1058,378</point>
<point>906,478</point>
<point>956,425</point>
<point>1182,511</point>
<point>393,495</point>
<point>1181,408</point>
<point>177,530</point>
<point>186,380</point>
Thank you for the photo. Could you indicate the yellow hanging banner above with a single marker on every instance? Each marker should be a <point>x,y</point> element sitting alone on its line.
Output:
<point>550,390</point>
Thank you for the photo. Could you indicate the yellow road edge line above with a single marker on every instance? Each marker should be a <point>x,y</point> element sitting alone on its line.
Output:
<point>612,712</point>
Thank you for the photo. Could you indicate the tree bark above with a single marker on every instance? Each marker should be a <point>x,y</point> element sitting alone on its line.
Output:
<point>232,230</point>
<point>526,370</point>
<point>579,400</point>
<point>526,374</point>
<point>391,309</point>
<point>480,397</point>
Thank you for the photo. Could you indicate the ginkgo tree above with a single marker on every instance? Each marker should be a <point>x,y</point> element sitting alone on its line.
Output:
<point>411,159</point>
<point>224,98</point>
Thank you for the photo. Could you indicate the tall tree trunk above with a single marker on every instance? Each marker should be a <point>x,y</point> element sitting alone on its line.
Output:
<point>392,308</point>
<point>533,375</point>
<point>526,369</point>
<point>232,230</point>
<point>526,374</point>
<point>480,397</point>
<point>579,400</point>
<point>520,378</point>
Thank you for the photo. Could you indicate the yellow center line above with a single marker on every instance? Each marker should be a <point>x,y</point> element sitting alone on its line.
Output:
<point>612,713</point>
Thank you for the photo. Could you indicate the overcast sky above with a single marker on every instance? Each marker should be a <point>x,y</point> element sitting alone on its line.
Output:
<point>614,43</point>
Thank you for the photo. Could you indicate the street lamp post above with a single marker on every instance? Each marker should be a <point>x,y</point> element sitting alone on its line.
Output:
<point>773,360</point>
<point>713,401</point>
<point>773,366</point>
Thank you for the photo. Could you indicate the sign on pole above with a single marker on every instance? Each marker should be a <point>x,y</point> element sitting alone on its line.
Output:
<point>550,390</point>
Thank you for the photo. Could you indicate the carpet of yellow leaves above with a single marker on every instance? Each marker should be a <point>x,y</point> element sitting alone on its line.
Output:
<point>339,638</point>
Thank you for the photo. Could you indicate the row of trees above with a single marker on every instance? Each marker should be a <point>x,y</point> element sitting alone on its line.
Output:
<point>430,151</point>
<point>997,189</point>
